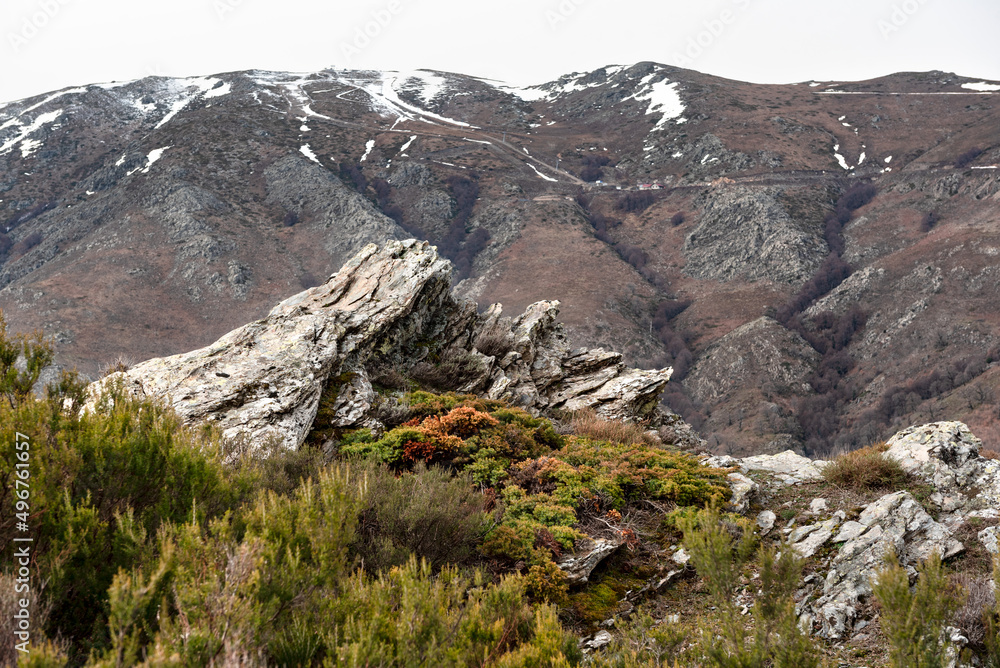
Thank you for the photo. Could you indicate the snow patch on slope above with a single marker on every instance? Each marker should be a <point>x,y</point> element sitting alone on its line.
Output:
<point>369,145</point>
<point>663,97</point>
<point>982,87</point>
<point>27,130</point>
<point>429,84</point>
<point>389,96</point>
<point>183,95</point>
<point>308,152</point>
<point>152,157</point>
<point>547,178</point>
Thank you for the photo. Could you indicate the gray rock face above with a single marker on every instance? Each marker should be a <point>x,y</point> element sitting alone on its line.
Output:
<point>759,351</point>
<point>265,380</point>
<point>321,200</point>
<point>808,539</point>
<point>787,467</point>
<point>895,523</point>
<point>946,456</point>
<point>746,234</point>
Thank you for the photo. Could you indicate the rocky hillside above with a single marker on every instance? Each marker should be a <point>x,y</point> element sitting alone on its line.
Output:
<point>283,481</point>
<point>314,372</point>
<point>148,218</point>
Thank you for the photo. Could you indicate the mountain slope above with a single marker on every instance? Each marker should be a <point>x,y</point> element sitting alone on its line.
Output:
<point>150,217</point>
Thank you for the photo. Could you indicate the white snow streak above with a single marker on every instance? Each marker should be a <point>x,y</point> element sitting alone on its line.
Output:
<point>182,88</point>
<point>408,143</point>
<point>29,146</point>
<point>152,157</point>
<point>219,91</point>
<point>26,131</point>
<point>369,145</point>
<point>663,97</point>
<point>388,94</point>
<point>982,87</point>
<point>308,152</point>
<point>547,178</point>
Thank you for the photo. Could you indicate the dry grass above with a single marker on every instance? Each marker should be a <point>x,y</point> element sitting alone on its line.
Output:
<point>496,340</point>
<point>979,597</point>
<point>867,470</point>
<point>587,423</point>
<point>989,454</point>
<point>120,364</point>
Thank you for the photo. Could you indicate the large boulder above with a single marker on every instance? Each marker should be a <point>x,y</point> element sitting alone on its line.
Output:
<point>387,307</point>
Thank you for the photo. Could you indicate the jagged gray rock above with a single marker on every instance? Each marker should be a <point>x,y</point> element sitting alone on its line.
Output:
<point>894,523</point>
<point>787,467</point>
<point>946,456</point>
<point>807,540</point>
<point>386,306</point>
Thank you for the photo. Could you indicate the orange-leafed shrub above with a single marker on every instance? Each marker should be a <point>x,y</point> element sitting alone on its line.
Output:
<point>466,421</point>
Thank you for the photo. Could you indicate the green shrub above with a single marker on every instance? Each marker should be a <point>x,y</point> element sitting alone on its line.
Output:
<point>429,513</point>
<point>102,483</point>
<point>623,473</point>
<point>642,642</point>
<point>35,354</point>
<point>719,548</point>
<point>407,617</point>
<point>913,619</point>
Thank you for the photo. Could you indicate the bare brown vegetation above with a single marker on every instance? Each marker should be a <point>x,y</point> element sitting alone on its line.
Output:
<point>588,424</point>
<point>866,469</point>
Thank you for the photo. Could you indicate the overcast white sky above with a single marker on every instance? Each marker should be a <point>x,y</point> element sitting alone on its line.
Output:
<point>49,44</point>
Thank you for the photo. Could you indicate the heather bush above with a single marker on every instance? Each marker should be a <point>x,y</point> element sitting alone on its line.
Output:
<point>587,423</point>
<point>431,514</point>
<point>719,547</point>
<point>454,368</point>
<point>102,482</point>
<point>496,340</point>
<point>32,350</point>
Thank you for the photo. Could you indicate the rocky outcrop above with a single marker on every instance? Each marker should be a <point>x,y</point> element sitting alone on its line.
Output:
<point>787,468</point>
<point>388,307</point>
<point>944,455</point>
<point>896,524</point>
<point>746,234</point>
<point>758,353</point>
<point>578,566</point>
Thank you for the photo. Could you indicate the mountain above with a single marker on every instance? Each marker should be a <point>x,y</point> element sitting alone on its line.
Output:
<point>815,260</point>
